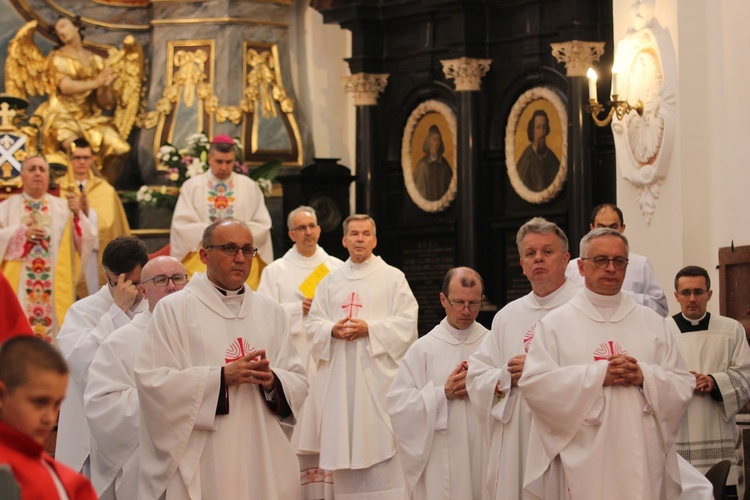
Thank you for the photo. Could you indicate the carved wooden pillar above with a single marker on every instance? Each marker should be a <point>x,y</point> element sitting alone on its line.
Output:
<point>578,56</point>
<point>365,87</point>
<point>467,74</point>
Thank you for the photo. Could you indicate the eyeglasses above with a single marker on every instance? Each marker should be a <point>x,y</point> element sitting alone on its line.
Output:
<point>232,249</point>
<point>80,158</point>
<point>310,226</point>
<point>698,292</point>
<point>113,284</point>
<point>602,262</point>
<point>161,280</point>
<point>459,306</point>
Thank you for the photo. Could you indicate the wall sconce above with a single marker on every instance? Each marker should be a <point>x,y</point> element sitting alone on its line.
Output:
<point>617,107</point>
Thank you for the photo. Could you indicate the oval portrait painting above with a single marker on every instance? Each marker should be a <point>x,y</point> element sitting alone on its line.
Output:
<point>536,143</point>
<point>428,155</point>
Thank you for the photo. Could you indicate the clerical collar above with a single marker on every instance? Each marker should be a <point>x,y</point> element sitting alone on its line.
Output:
<point>460,335</point>
<point>229,293</point>
<point>304,257</point>
<point>543,301</point>
<point>216,179</point>
<point>27,197</point>
<point>692,325</point>
<point>606,305</point>
<point>361,265</point>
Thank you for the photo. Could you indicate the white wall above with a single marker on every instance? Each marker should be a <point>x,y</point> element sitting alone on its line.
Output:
<point>318,51</point>
<point>703,202</point>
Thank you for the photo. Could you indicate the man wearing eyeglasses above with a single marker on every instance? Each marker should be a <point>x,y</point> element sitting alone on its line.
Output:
<point>291,281</point>
<point>111,399</point>
<point>362,320</point>
<point>640,279</point>
<point>715,349</point>
<point>217,377</point>
<point>88,322</point>
<point>101,203</point>
<point>433,420</point>
<point>494,370</point>
<point>607,388</point>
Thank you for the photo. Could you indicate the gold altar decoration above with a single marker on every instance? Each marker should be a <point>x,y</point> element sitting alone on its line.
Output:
<point>190,66</point>
<point>71,114</point>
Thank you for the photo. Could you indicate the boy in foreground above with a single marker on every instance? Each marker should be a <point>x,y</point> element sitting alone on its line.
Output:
<point>33,379</point>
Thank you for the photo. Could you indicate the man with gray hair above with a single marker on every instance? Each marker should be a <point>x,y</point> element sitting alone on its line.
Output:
<point>495,368</point>
<point>442,451</point>
<point>607,388</point>
<point>362,320</point>
<point>291,281</point>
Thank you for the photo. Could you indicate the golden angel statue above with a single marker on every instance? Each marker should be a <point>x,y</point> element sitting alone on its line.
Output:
<point>81,86</point>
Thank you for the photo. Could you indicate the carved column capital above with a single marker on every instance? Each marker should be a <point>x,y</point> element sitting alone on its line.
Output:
<point>577,56</point>
<point>366,87</point>
<point>467,73</point>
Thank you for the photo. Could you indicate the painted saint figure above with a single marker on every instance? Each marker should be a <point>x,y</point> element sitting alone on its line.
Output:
<point>433,175</point>
<point>538,165</point>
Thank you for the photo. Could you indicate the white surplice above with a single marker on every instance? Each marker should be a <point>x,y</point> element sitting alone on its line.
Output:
<point>708,432</point>
<point>507,420</point>
<point>113,412</point>
<point>611,442</point>
<point>441,448</point>
<point>345,418</point>
<point>281,280</point>
<point>186,449</point>
<point>12,236</point>
<point>191,215</point>
<point>88,322</point>
<point>640,282</point>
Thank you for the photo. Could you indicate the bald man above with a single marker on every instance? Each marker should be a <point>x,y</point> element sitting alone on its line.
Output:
<point>111,399</point>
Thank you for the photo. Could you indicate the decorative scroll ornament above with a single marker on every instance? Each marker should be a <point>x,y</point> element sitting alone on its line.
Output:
<point>466,73</point>
<point>646,62</point>
<point>577,56</point>
<point>366,87</point>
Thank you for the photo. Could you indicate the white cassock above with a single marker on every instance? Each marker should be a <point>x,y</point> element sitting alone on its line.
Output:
<point>715,345</point>
<point>49,263</point>
<point>192,452</point>
<point>345,418</point>
<point>640,281</point>
<point>611,442</point>
<point>204,199</point>
<point>506,420</point>
<point>88,322</point>
<point>441,448</point>
<point>113,412</point>
<point>281,281</point>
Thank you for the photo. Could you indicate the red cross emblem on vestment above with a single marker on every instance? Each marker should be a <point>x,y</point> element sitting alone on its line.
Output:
<point>529,336</point>
<point>351,305</point>
<point>238,349</point>
<point>607,349</point>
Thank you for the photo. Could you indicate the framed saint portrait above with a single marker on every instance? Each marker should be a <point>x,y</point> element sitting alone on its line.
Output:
<point>536,145</point>
<point>428,155</point>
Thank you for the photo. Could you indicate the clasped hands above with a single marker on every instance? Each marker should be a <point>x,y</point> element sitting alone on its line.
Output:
<point>623,370</point>
<point>254,368</point>
<point>350,329</point>
<point>704,384</point>
<point>455,386</point>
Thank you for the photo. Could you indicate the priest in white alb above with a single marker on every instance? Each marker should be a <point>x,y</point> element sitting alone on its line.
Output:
<point>715,349</point>
<point>291,281</point>
<point>494,370</point>
<point>363,319</point>
<point>88,322</point>
<point>40,235</point>
<point>441,447</point>
<point>217,377</point>
<point>607,388</point>
<point>111,399</point>
<point>217,194</point>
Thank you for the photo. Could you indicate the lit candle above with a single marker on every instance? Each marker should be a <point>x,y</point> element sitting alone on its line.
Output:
<point>591,74</point>
<point>614,80</point>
